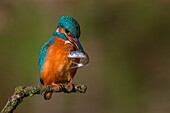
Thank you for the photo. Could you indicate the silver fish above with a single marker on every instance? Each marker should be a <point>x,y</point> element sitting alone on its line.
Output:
<point>84,58</point>
<point>77,54</point>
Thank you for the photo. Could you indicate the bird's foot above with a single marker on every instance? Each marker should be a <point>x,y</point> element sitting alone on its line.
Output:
<point>56,85</point>
<point>71,85</point>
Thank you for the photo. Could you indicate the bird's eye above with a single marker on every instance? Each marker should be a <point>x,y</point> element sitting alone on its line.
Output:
<point>66,30</point>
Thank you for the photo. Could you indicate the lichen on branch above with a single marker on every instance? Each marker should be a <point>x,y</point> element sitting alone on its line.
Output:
<point>27,91</point>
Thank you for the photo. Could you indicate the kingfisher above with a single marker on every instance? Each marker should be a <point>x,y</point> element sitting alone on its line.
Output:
<point>61,55</point>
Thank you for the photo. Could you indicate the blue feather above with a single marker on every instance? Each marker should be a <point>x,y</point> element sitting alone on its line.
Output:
<point>70,24</point>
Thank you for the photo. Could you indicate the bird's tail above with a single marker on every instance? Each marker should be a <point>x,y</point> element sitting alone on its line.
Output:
<point>47,95</point>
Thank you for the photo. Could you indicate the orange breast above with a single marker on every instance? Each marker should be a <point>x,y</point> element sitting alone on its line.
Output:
<point>56,68</point>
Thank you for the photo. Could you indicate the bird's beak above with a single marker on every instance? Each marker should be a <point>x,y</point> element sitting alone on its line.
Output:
<point>76,43</point>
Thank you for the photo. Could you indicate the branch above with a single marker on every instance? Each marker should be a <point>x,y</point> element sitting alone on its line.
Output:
<point>24,91</point>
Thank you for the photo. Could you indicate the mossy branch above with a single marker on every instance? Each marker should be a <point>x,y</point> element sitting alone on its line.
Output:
<point>24,91</point>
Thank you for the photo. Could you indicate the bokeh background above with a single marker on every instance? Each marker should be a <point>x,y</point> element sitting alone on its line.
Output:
<point>128,42</point>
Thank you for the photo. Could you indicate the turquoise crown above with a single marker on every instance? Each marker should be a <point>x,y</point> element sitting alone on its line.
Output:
<point>69,23</point>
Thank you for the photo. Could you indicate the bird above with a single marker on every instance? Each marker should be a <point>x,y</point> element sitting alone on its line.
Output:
<point>54,64</point>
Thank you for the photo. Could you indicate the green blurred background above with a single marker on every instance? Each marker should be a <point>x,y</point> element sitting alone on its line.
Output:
<point>128,43</point>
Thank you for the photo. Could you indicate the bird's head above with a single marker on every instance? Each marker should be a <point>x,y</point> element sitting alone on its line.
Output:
<point>71,28</point>
<point>70,25</point>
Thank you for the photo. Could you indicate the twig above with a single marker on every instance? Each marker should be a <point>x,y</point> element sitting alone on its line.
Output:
<point>24,91</point>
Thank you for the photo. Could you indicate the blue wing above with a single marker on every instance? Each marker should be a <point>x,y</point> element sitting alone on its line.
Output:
<point>43,52</point>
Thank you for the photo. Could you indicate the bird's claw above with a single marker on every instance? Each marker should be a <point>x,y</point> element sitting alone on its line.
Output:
<point>56,85</point>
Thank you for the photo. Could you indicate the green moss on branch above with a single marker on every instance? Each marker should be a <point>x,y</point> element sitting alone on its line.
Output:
<point>25,91</point>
